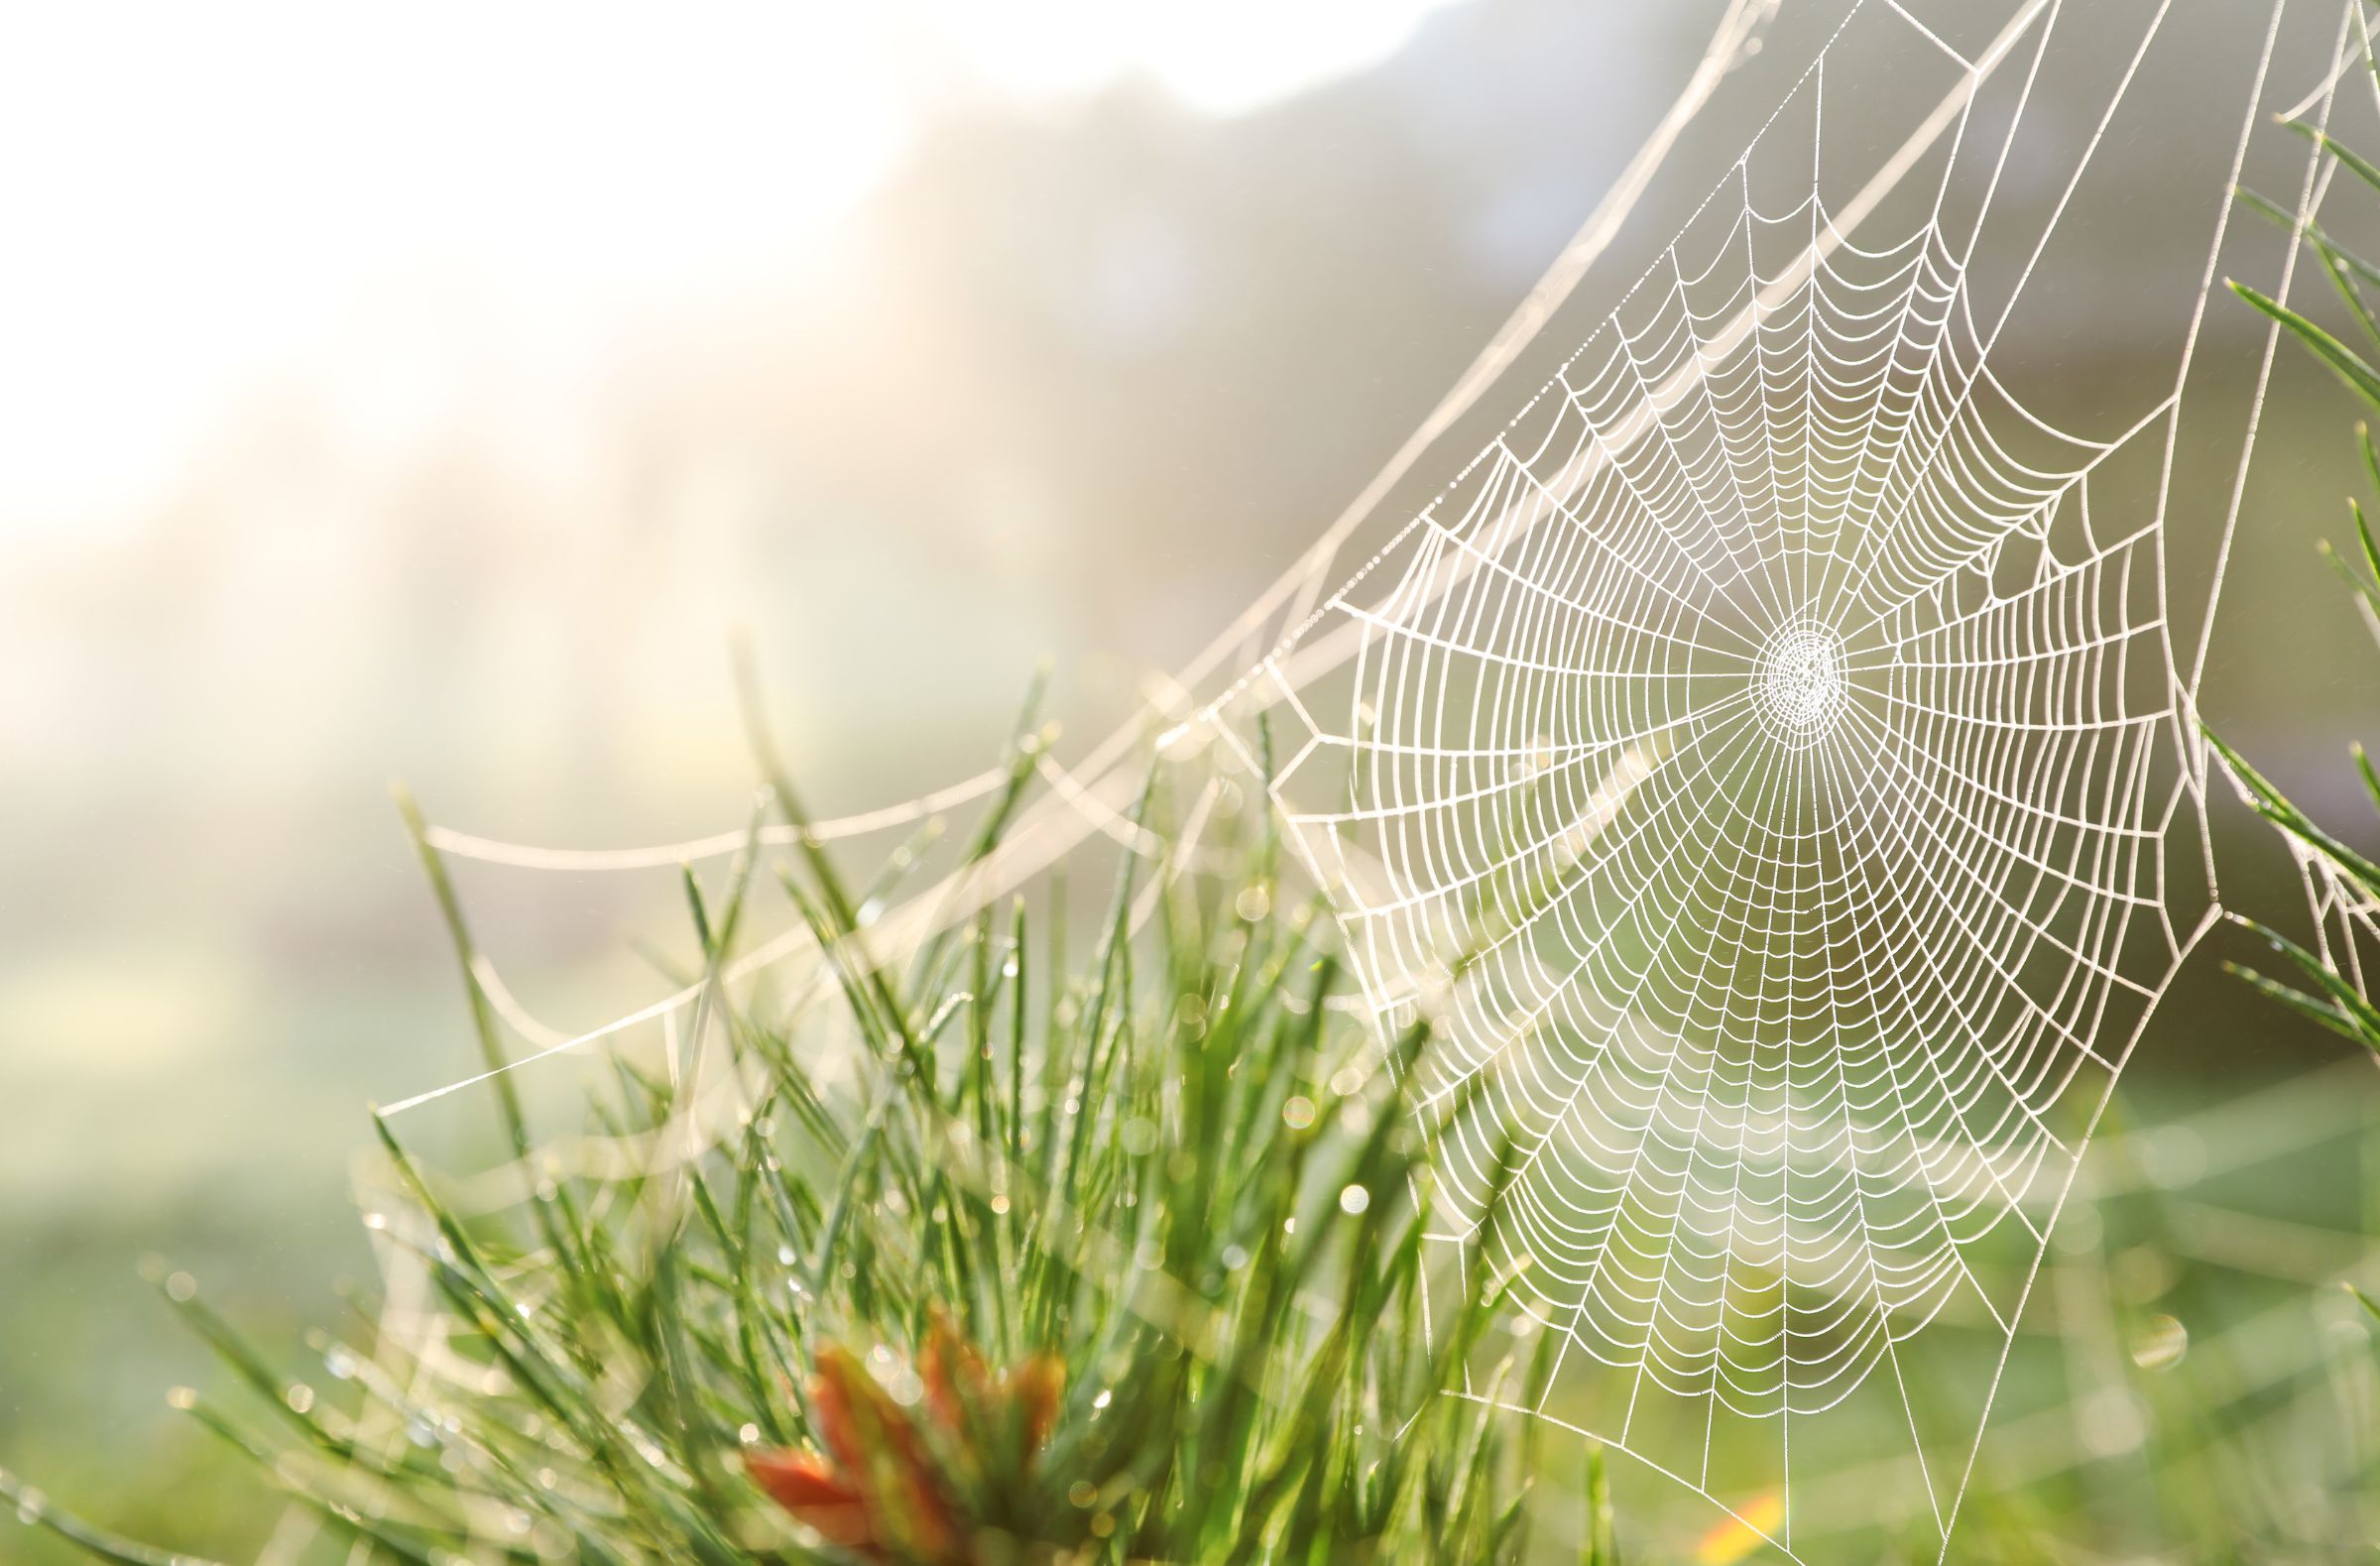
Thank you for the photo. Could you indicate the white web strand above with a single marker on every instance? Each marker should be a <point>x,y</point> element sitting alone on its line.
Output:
<point>1092,796</point>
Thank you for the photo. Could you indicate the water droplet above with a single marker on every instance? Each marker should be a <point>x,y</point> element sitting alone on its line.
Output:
<point>2141,1273</point>
<point>339,1359</point>
<point>784,1256</point>
<point>1298,1112</point>
<point>548,1191</point>
<point>2160,1343</point>
<point>1081,1493</point>
<point>1253,903</point>
<point>30,1502</point>
<point>2109,1422</point>
<point>2079,1232</point>
<point>300,1397</point>
<point>1103,1399</point>
<point>1353,1199</point>
<point>1234,1259</point>
<point>181,1287</point>
<point>1000,1201</point>
<point>184,1399</point>
<point>748,1434</point>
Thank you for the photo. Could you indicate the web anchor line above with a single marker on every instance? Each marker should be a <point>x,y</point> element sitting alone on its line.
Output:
<point>1805,852</point>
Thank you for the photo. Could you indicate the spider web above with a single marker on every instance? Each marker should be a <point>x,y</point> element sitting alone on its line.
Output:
<point>1760,765</point>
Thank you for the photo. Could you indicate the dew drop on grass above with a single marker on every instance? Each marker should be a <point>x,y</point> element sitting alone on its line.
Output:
<point>1298,1112</point>
<point>1353,1199</point>
<point>339,1359</point>
<point>29,1504</point>
<point>2160,1344</point>
<point>300,1397</point>
<point>181,1288</point>
<point>1234,1259</point>
<point>784,1256</point>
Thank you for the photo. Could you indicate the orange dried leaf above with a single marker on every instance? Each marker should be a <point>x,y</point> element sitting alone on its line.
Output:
<point>815,1495</point>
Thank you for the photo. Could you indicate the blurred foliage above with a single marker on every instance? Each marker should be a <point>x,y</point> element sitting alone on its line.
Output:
<point>1173,1185</point>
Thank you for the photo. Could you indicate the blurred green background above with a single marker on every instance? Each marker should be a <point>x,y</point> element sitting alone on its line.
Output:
<point>426,395</point>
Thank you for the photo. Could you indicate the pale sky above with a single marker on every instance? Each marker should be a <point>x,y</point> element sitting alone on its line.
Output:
<point>199,198</point>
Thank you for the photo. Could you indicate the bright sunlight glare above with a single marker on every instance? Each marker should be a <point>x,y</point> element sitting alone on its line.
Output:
<point>382,201</point>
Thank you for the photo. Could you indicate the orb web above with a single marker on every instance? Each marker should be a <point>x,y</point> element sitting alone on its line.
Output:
<point>1757,767</point>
